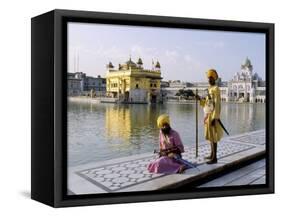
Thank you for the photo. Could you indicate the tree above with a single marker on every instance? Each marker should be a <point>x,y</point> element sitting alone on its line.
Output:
<point>186,94</point>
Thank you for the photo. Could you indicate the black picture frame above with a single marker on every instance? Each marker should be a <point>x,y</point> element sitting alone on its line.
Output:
<point>49,101</point>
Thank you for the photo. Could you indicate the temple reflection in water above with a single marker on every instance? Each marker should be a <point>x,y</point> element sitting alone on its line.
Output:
<point>105,131</point>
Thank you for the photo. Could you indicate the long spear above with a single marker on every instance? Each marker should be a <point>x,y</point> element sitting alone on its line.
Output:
<point>196,124</point>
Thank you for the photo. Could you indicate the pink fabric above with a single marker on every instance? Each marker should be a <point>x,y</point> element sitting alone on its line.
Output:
<point>165,164</point>
<point>175,140</point>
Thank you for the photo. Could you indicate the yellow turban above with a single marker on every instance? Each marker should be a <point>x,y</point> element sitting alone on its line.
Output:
<point>212,73</point>
<point>163,119</point>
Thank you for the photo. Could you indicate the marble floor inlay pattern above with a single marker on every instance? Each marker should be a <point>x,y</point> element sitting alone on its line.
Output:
<point>122,175</point>
<point>252,138</point>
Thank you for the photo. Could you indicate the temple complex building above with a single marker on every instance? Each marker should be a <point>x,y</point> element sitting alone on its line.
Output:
<point>245,86</point>
<point>130,82</point>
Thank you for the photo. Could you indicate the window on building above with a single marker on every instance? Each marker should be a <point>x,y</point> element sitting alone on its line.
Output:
<point>155,85</point>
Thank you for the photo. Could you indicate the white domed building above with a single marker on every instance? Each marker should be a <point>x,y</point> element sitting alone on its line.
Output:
<point>246,86</point>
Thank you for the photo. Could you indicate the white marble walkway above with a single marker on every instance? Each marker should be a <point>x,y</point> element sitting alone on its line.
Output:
<point>130,173</point>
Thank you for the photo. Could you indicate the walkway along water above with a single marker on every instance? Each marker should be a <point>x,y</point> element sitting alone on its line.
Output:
<point>130,173</point>
<point>252,174</point>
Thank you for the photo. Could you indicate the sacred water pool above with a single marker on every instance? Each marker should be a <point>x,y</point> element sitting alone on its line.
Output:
<point>98,132</point>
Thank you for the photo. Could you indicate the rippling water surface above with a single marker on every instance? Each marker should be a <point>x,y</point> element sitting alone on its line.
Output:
<point>98,132</point>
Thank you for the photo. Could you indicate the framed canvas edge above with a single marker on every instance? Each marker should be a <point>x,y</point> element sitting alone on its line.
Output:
<point>60,197</point>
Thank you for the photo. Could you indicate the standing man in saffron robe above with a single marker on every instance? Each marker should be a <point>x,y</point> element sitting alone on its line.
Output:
<point>212,107</point>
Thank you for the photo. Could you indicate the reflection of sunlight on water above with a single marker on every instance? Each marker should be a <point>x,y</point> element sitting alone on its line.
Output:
<point>104,131</point>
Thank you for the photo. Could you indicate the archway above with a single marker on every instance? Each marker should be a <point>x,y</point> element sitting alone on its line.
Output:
<point>127,95</point>
<point>153,98</point>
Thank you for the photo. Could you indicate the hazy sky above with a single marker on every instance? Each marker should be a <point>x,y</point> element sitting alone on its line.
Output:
<point>183,54</point>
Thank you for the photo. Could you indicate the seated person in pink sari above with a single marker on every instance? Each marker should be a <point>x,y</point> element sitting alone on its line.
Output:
<point>170,145</point>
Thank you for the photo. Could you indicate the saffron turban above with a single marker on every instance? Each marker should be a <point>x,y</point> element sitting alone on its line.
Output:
<point>212,73</point>
<point>163,119</point>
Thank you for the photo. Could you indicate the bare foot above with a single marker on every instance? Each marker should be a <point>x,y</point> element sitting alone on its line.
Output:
<point>212,161</point>
<point>208,157</point>
<point>182,168</point>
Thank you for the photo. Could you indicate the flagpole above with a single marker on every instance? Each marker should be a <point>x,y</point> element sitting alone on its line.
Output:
<point>196,124</point>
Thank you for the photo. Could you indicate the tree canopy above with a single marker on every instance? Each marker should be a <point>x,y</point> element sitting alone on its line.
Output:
<point>185,93</point>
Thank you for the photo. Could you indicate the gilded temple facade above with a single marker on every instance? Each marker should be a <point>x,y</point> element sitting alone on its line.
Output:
<point>131,83</point>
